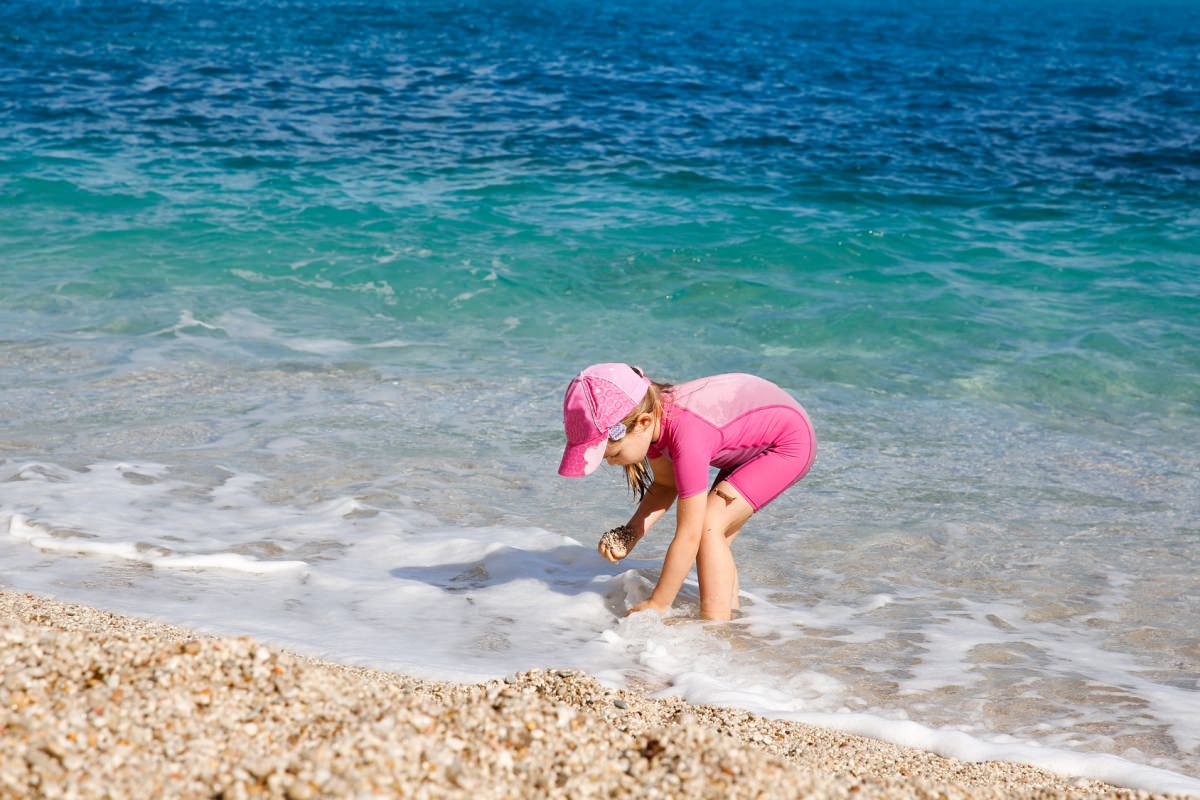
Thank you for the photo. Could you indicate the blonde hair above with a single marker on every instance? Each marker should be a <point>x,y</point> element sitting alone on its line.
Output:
<point>638,476</point>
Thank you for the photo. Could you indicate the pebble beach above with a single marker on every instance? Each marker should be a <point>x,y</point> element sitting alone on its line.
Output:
<point>96,704</point>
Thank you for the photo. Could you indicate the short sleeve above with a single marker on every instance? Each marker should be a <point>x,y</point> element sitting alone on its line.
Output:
<point>692,448</point>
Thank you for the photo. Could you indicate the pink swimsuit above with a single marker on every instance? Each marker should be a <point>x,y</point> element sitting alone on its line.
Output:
<point>753,431</point>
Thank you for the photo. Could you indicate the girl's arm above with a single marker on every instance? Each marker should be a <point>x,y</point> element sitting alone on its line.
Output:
<point>689,527</point>
<point>658,499</point>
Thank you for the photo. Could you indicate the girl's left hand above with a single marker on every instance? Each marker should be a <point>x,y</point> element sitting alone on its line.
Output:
<point>648,605</point>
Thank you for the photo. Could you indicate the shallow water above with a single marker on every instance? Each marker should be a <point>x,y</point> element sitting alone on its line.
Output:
<point>289,295</point>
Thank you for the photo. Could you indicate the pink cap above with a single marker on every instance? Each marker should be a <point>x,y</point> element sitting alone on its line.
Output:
<point>597,399</point>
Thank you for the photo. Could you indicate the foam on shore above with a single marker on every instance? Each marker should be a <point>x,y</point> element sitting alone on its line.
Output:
<point>97,703</point>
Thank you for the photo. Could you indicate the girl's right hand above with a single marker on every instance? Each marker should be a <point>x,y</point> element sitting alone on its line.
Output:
<point>616,543</point>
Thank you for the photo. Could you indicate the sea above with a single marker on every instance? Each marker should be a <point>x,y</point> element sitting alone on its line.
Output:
<point>290,291</point>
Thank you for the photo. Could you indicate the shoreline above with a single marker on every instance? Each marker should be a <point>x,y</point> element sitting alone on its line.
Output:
<point>97,704</point>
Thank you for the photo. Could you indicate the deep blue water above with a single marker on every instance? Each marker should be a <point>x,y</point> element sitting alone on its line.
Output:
<point>959,186</point>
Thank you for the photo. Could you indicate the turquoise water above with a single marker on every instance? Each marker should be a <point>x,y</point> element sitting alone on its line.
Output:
<point>325,252</point>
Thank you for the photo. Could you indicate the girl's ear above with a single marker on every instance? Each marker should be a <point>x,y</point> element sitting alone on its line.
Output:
<point>645,420</point>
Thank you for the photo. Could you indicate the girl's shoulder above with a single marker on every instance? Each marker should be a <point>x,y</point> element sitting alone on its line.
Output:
<point>725,384</point>
<point>721,398</point>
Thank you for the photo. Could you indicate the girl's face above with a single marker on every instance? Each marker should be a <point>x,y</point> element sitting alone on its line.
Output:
<point>632,447</point>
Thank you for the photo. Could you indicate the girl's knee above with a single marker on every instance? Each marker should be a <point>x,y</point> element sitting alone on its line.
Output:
<point>727,493</point>
<point>727,510</point>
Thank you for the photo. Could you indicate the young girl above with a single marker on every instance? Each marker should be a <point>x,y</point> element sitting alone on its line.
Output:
<point>754,432</point>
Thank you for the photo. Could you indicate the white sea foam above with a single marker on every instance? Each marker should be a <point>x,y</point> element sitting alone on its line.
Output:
<point>380,288</point>
<point>245,327</point>
<point>21,529</point>
<point>347,578</point>
<point>963,746</point>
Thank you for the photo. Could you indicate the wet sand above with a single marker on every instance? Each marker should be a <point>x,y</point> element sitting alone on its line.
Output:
<point>94,704</point>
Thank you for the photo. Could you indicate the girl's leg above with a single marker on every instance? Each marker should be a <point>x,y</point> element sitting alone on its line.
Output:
<point>730,535</point>
<point>727,511</point>
<point>763,478</point>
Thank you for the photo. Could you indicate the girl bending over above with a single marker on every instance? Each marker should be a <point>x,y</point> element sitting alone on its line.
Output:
<point>666,437</point>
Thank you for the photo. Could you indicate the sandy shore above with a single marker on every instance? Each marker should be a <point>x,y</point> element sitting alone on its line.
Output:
<point>94,704</point>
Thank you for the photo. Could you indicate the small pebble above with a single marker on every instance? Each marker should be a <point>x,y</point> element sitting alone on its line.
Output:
<point>618,540</point>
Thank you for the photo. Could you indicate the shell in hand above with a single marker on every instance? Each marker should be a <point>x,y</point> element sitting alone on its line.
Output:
<point>619,540</point>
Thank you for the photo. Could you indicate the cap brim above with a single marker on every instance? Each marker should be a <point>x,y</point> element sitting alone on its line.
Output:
<point>582,459</point>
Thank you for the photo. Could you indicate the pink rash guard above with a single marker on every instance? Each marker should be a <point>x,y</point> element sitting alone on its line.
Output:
<point>754,432</point>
